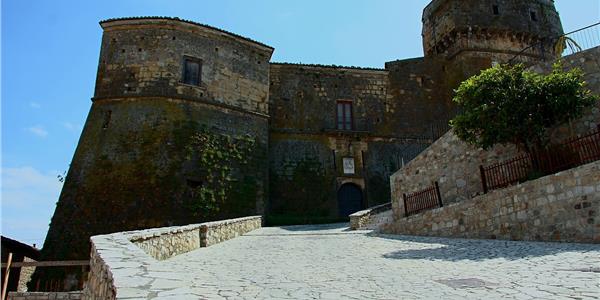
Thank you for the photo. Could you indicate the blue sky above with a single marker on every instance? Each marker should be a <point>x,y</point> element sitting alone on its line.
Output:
<point>50,53</point>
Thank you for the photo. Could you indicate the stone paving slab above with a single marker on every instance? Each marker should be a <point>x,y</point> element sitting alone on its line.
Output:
<point>331,262</point>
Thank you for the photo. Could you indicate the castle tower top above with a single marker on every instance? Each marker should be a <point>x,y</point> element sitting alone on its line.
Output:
<point>484,28</point>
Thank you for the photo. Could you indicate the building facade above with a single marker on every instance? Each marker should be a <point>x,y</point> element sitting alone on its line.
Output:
<point>192,123</point>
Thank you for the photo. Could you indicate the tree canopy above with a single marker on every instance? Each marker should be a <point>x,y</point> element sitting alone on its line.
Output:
<point>510,105</point>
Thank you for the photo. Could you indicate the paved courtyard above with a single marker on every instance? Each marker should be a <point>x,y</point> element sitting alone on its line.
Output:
<point>330,262</point>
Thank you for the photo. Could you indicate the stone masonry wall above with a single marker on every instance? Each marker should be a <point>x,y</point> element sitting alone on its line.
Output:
<point>170,241</point>
<point>25,276</point>
<point>455,165</point>
<point>361,219</point>
<point>450,162</point>
<point>44,295</point>
<point>470,26</point>
<point>561,207</point>
<point>212,233</point>
<point>121,258</point>
<point>143,57</point>
<point>392,109</point>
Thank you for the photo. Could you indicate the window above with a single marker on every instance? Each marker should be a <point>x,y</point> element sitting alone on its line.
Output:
<point>496,9</point>
<point>192,69</point>
<point>533,15</point>
<point>344,115</point>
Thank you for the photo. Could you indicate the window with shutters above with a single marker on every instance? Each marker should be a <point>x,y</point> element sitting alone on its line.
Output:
<point>192,70</point>
<point>344,115</point>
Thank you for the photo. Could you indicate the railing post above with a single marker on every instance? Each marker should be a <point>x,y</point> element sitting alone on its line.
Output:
<point>405,209</point>
<point>483,179</point>
<point>6,275</point>
<point>437,191</point>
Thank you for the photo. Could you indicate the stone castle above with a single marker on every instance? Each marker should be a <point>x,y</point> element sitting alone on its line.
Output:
<point>321,141</point>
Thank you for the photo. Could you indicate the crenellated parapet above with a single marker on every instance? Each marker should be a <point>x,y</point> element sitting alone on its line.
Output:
<point>492,28</point>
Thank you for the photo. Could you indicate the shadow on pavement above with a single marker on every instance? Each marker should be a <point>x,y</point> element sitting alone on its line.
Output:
<point>448,249</point>
<point>316,227</point>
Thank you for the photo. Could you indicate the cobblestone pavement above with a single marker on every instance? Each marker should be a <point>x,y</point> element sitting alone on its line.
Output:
<point>330,262</point>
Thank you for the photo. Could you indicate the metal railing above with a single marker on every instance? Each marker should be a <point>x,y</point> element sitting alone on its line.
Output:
<point>506,173</point>
<point>50,285</point>
<point>422,200</point>
<point>569,43</point>
<point>569,154</point>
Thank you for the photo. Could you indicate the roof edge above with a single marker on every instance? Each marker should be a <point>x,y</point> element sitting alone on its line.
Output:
<point>327,66</point>
<point>102,22</point>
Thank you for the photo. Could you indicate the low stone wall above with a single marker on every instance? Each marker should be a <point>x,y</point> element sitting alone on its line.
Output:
<point>44,295</point>
<point>361,219</point>
<point>561,207</point>
<point>120,259</point>
<point>215,232</point>
<point>163,243</point>
<point>100,283</point>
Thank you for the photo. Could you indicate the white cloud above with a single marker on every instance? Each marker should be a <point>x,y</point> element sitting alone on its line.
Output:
<point>71,127</point>
<point>35,105</point>
<point>38,131</point>
<point>28,201</point>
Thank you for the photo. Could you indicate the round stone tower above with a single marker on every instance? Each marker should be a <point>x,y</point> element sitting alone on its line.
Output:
<point>495,29</point>
<point>160,83</point>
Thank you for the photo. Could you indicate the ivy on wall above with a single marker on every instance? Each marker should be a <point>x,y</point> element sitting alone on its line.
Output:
<point>217,155</point>
<point>302,188</point>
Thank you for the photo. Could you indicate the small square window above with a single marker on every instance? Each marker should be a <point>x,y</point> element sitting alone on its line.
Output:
<point>192,70</point>
<point>533,15</point>
<point>496,9</point>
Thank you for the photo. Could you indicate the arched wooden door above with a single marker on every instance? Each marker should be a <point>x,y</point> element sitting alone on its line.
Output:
<point>349,199</point>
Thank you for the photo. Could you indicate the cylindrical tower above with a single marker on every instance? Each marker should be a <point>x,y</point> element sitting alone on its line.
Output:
<point>495,29</point>
<point>162,84</point>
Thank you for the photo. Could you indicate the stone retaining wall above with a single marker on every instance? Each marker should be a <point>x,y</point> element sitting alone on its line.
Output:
<point>455,165</point>
<point>44,295</point>
<point>361,219</point>
<point>119,259</point>
<point>561,207</point>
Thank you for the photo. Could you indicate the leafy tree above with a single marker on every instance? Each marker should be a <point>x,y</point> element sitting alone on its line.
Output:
<point>510,105</point>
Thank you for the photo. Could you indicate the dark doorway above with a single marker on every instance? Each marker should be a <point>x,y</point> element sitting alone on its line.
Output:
<point>349,199</point>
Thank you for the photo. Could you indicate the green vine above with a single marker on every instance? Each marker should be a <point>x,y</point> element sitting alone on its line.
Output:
<point>217,157</point>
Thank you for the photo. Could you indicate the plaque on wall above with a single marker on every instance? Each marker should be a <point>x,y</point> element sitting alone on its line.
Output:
<point>348,165</point>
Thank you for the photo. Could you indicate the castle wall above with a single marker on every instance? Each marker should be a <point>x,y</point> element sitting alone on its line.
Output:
<point>306,149</point>
<point>468,27</point>
<point>144,57</point>
<point>135,165</point>
<point>455,164</point>
<point>420,89</point>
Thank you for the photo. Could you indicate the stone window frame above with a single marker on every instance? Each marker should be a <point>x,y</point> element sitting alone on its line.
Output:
<point>184,60</point>
<point>344,124</point>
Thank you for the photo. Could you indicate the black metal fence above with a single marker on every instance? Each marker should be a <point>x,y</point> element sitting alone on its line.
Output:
<point>422,200</point>
<point>571,153</point>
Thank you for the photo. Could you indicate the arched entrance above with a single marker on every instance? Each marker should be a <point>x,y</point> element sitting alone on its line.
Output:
<point>349,198</point>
